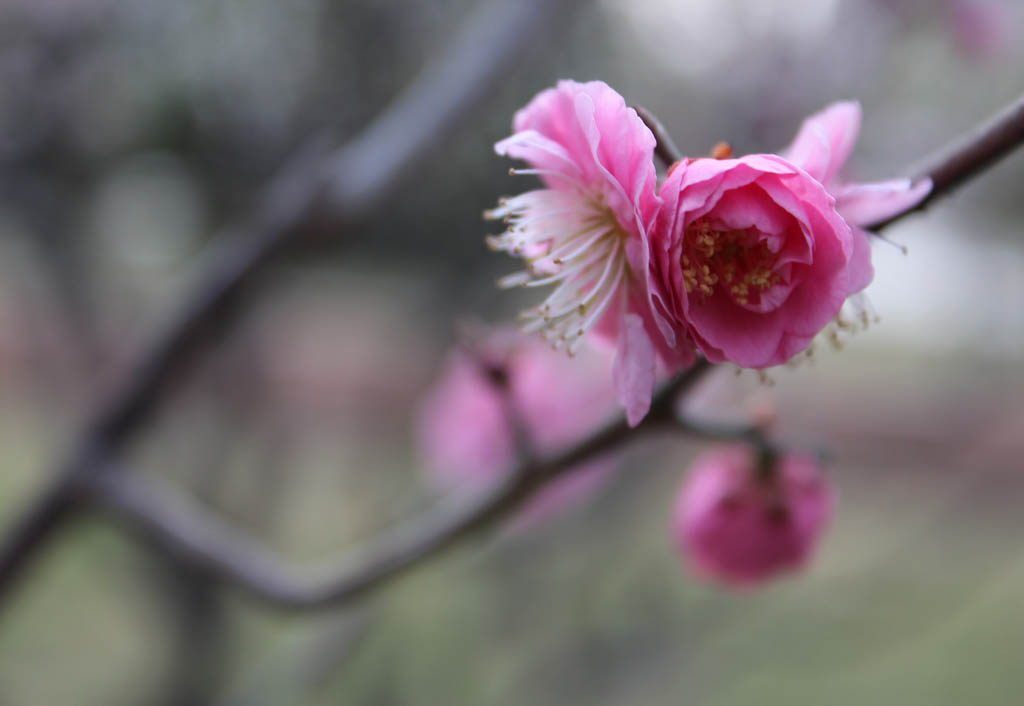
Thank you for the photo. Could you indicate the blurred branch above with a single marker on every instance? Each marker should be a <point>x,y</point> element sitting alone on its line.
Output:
<point>720,431</point>
<point>176,525</point>
<point>339,188</point>
<point>495,370</point>
<point>969,156</point>
<point>665,148</point>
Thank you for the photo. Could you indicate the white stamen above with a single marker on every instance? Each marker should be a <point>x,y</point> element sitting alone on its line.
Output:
<point>598,233</point>
<point>569,240</point>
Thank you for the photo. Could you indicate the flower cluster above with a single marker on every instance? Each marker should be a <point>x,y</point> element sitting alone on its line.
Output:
<point>741,259</point>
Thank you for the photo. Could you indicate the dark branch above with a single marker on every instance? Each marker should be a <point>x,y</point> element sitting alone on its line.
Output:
<point>342,187</point>
<point>665,149</point>
<point>181,528</point>
<point>969,156</point>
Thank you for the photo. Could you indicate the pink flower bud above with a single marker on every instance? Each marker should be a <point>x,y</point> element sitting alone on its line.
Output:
<point>464,433</point>
<point>742,525</point>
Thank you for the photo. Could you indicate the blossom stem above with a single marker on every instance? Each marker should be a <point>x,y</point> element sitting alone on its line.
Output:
<point>665,148</point>
<point>766,449</point>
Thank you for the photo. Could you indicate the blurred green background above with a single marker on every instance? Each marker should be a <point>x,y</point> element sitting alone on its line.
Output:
<point>130,131</point>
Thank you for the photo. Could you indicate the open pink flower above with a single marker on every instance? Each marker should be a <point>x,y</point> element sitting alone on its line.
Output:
<point>466,437</point>
<point>822,146</point>
<point>586,232</point>
<point>750,258</point>
<point>742,525</point>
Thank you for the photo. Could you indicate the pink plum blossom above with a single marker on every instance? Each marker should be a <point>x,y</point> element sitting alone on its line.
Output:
<point>464,432</point>
<point>742,524</point>
<point>586,231</point>
<point>750,259</point>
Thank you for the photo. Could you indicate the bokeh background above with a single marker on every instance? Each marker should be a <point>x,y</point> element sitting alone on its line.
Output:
<point>130,131</point>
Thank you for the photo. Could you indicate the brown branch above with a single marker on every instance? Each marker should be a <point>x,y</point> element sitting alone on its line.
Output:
<point>969,156</point>
<point>665,149</point>
<point>181,528</point>
<point>343,186</point>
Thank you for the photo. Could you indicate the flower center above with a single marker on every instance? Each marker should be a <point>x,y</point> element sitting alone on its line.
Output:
<point>737,260</point>
<point>569,239</point>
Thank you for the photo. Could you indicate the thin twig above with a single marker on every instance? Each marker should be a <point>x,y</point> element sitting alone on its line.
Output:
<point>970,155</point>
<point>492,355</point>
<point>168,519</point>
<point>341,187</point>
<point>719,431</point>
<point>665,148</point>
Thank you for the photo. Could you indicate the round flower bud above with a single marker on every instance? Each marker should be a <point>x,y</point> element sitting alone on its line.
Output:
<point>742,520</point>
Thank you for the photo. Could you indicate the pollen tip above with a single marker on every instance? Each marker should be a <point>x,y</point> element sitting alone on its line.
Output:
<point>722,150</point>
<point>512,171</point>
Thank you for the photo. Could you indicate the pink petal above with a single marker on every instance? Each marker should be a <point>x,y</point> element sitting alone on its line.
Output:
<point>864,204</point>
<point>757,339</point>
<point>633,370</point>
<point>825,140</point>
<point>542,153</point>
<point>861,271</point>
<point>604,138</point>
<point>622,148</point>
